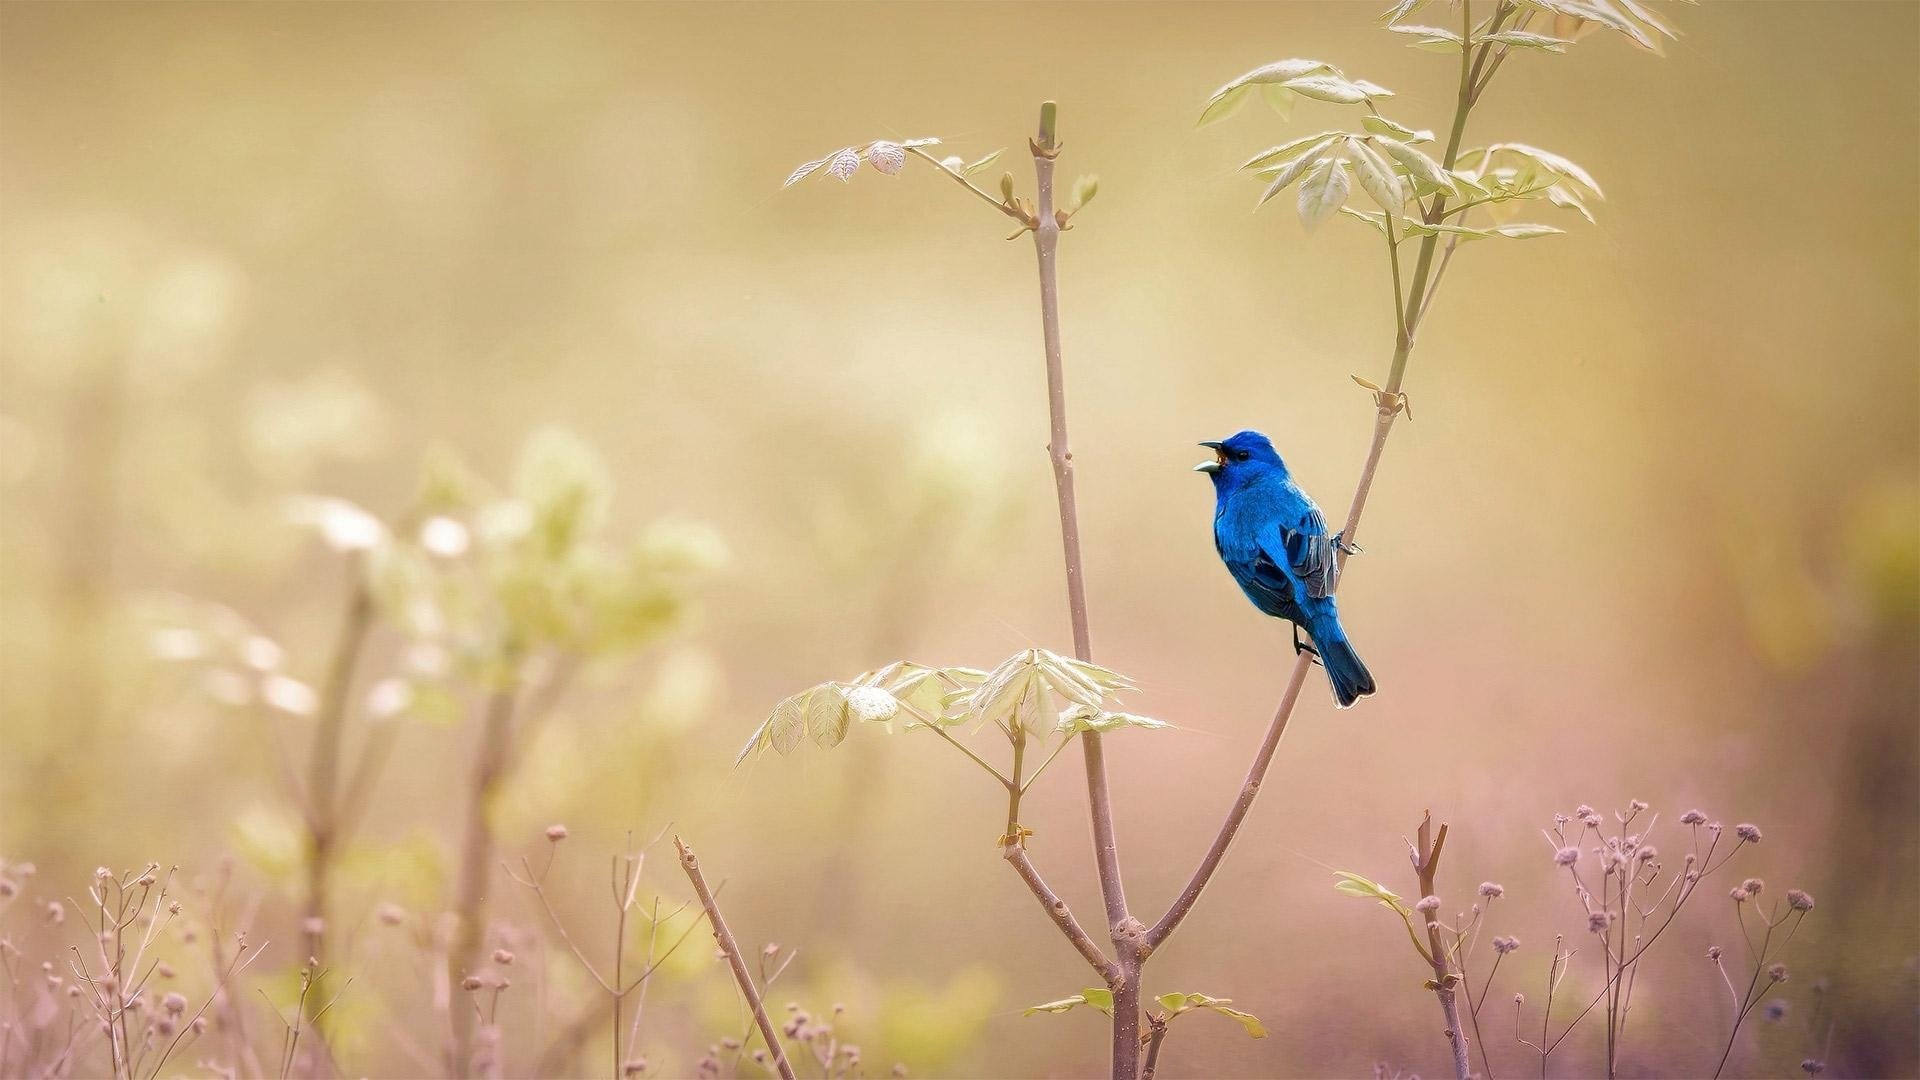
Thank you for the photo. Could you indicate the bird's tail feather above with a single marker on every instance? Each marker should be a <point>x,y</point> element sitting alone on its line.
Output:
<point>1350,678</point>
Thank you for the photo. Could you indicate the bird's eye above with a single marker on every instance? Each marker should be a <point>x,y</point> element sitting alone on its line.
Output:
<point>1239,455</point>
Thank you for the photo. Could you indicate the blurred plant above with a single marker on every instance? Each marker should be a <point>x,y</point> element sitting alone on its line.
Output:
<point>1628,908</point>
<point>625,882</point>
<point>116,997</point>
<point>501,595</point>
<point>1787,914</point>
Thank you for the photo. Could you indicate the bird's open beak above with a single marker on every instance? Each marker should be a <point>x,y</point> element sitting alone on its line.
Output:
<point>1213,466</point>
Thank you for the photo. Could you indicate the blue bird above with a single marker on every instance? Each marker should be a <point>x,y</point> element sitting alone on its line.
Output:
<point>1275,544</point>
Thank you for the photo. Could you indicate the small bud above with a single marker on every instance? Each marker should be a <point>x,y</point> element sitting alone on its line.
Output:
<point>1006,187</point>
<point>471,982</point>
<point>556,833</point>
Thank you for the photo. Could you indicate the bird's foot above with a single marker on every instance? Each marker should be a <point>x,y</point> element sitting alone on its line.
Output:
<point>1304,647</point>
<point>1340,544</point>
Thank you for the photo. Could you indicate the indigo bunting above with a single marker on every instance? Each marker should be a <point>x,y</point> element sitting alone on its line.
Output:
<point>1275,544</point>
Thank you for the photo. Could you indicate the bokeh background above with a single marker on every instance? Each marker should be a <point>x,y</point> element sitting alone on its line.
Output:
<point>1654,534</point>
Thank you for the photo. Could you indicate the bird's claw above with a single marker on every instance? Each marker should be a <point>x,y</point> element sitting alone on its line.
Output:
<point>1340,544</point>
<point>1303,647</point>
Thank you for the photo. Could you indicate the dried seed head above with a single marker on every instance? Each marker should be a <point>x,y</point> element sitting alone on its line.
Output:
<point>556,833</point>
<point>174,1002</point>
<point>1492,891</point>
<point>1713,953</point>
<point>1799,900</point>
<point>1567,856</point>
<point>1519,1000</point>
<point>1778,973</point>
<point>1598,921</point>
<point>173,907</point>
<point>163,1026</point>
<point>1753,885</point>
<point>1813,1066</point>
<point>1777,1010</point>
<point>392,914</point>
<point>502,956</point>
<point>1505,945</point>
<point>888,157</point>
<point>1583,812</point>
<point>55,913</point>
<point>471,982</point>
<point>1648,853</point>
<point>1739,895</point>
<point>730,1043</point>
<point>1748,833</point>
<point>165,969</point>
<point>199,1025</point>
<point>771,950</point>
<point>1427,905</point>
<point>313,925</point>
<point>1693,817</point>
<point>1636,806</point>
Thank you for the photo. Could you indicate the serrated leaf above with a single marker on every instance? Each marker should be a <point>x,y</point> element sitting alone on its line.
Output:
<point>843,164</point>
<point>827,716</point>
<point>1525,231</point>
<point>1331,88</point>
<point>1324,190</point>
<point>1285,175</point>
<point>887,157</point>
<point>973,167</point>
<point>1418,165</point>
<point>1232,95</point>
<point>803,172</point>
<point>1068,683</point>
<point>1552,162</point>
<point>1276,156</point>
<point>1521,39</point>
<point>1380,125</point>
<point>1098,997</point>
<point>1092,718</point>
<point>1377,177</point>
<point>1378,221</point>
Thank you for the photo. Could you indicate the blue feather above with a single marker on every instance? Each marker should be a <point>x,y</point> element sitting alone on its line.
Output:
<point>1274,542</point>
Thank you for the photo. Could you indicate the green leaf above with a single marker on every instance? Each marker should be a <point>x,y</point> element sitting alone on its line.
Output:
<point>1335,89</point>
<point>1553,163</point>
<point>1354,885</point>
<point>1378,221</point>
<point>1525,231</point>
<point>974,167</point>
<point>827,715</point>
<point>1324,190</point>
<point>1285,175</point>
<point>1376,177</point>
<point>1521,39</point>
<point>1098,997</point>
<point>1173,1003</point>
<point>1380,125</point>
<point>1084,189</point>
<point>1275,157</point>
<point>1418,165</point>
<point>566,484</point>
<point>1247,1020</point>
<point>1092,718</point>
<point>1432,38</point>
<point>1566,198</point>
<point>1231,96</point>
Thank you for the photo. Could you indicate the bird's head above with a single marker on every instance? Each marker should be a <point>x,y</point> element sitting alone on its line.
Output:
<point>1239,458</point>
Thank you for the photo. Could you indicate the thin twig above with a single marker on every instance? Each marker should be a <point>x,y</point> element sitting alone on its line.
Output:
<point>691,864</point>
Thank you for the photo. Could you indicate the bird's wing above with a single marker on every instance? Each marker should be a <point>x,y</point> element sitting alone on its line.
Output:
<point>1301,552</point>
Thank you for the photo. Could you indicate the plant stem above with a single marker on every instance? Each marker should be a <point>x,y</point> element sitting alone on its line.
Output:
<point>476,861</point>
<point>1156,1034</point>
<point>691,864</point>
<point>1389,402</point>
<point>325,829</point>
<point>1426,865</point>
<point>1120,923</point>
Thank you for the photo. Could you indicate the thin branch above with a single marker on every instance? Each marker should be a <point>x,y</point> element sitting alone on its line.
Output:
<point>691,864</point>
<point>1061,915</point>
<point>969,185</point>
